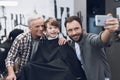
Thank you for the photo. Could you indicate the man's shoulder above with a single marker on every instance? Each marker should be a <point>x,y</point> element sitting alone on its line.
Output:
<point>89,35</point>
<point>23,35</point>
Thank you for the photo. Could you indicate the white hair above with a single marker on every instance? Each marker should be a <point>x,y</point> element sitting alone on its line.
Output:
<point>34,17</point>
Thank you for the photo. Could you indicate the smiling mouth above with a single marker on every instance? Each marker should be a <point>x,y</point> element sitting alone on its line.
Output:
<point>53,33</point>
<point>75,36</point>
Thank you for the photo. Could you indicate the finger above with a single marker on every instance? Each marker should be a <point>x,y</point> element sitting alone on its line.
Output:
<point>65,41</point>
<point>112,21</point>
<point>15,78</point>
<point>109,14</point>
<point>60,43</point>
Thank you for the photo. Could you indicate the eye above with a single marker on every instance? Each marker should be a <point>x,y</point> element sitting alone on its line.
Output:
<point>49,27</point>
<point>37,26</point>
<point>70,30</point>
<point>76,28</point>
<point>55,27</point>
<point>42,25</point>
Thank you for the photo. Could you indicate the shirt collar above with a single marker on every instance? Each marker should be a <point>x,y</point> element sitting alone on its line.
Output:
<point>50,38</point>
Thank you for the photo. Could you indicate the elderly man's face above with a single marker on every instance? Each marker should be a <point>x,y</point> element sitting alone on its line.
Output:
<point>37,27</point>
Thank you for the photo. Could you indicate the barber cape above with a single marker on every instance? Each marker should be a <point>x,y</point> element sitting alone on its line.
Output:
<point>53,62</point>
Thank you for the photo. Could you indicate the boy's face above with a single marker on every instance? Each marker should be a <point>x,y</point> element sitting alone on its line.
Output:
<point>52,31</point>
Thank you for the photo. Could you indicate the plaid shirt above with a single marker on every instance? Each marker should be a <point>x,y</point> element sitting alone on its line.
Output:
<point>20,48</point>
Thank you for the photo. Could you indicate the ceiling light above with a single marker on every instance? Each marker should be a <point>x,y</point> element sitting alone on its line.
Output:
<point>8,3</point>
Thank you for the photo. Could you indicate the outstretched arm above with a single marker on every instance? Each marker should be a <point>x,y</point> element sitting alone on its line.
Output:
<point>111,25</point>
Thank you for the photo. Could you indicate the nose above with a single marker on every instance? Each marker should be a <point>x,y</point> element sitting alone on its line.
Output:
<point>40,27</point>
<point>53,29</point>
<point>73,32</point>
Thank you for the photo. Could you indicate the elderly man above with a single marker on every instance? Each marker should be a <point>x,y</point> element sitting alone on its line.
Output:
<point>23,45</point>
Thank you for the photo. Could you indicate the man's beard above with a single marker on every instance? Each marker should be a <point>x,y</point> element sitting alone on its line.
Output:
<point>80,37</point>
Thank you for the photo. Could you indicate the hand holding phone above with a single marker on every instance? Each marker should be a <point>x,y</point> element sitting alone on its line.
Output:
<point>100,19</point>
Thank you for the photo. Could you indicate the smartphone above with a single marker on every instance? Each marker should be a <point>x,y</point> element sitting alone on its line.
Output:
<point>100,19</point>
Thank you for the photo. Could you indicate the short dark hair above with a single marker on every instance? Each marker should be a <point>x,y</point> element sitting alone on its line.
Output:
<point>72,18</point>
<point>51,21</point>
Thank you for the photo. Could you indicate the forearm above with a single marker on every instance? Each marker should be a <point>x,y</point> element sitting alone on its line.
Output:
<point>106,36</point>
<point>9,61</point>
<point>12,54</point>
